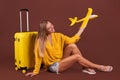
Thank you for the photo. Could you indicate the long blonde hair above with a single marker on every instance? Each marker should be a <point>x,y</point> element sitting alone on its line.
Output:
<point>42,35</point>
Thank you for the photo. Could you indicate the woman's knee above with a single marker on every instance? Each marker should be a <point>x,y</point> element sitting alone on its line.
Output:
<point>77,56</point>
<point>72,45</point>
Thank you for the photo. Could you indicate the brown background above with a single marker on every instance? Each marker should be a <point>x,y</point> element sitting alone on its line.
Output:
<point>100,42</point>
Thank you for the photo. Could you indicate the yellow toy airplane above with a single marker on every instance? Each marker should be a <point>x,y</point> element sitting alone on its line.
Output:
<point>85,20</point>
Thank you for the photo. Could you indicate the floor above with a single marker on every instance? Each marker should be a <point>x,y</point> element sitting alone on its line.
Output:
<point>8,72</point>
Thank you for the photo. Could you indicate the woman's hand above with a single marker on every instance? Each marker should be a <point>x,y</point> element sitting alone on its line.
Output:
<point>31,74</point>
<point>80,31</point>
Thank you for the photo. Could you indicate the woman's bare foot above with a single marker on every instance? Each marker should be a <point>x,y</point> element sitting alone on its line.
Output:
<point>105,68</point>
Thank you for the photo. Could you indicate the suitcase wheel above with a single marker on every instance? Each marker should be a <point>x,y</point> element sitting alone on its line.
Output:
<point>23,71</point>
<point>16,68</point>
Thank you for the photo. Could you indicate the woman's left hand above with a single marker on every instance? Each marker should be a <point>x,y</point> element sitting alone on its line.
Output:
<point>31,74</point>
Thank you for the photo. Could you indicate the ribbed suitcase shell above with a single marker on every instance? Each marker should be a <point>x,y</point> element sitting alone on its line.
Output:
<point>24,50</point>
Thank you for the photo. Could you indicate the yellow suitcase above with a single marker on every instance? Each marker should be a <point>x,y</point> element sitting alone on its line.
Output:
<point>23,47</point>
<point>24,50</point>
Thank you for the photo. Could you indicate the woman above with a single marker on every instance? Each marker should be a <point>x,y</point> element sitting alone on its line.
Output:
<point>51,51</point>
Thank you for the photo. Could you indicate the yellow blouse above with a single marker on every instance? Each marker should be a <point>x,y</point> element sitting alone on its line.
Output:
<point>53,52</point>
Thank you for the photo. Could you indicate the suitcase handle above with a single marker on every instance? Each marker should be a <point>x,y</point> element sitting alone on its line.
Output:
<point>26,10</point>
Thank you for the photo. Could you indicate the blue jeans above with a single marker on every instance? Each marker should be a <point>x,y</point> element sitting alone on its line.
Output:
<point>54,67</point>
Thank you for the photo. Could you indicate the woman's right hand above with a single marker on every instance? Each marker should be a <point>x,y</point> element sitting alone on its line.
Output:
<point>31,74</point>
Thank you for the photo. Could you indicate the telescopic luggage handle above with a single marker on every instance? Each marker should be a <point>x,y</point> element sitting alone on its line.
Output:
<point>27,16</point>
<point>25,9</point>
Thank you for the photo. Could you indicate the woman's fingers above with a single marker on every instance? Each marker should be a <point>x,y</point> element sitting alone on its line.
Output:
<point>31,74</point>
<point>28,74</point>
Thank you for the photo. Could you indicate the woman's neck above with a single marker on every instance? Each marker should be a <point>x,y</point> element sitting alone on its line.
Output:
<point>49,38</point>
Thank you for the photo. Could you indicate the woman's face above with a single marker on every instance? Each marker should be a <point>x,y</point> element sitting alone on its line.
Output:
<point>50,27</point>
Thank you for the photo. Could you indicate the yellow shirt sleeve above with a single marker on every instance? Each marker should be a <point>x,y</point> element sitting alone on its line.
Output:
<point>38,59</point>
<point>70,40</point>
